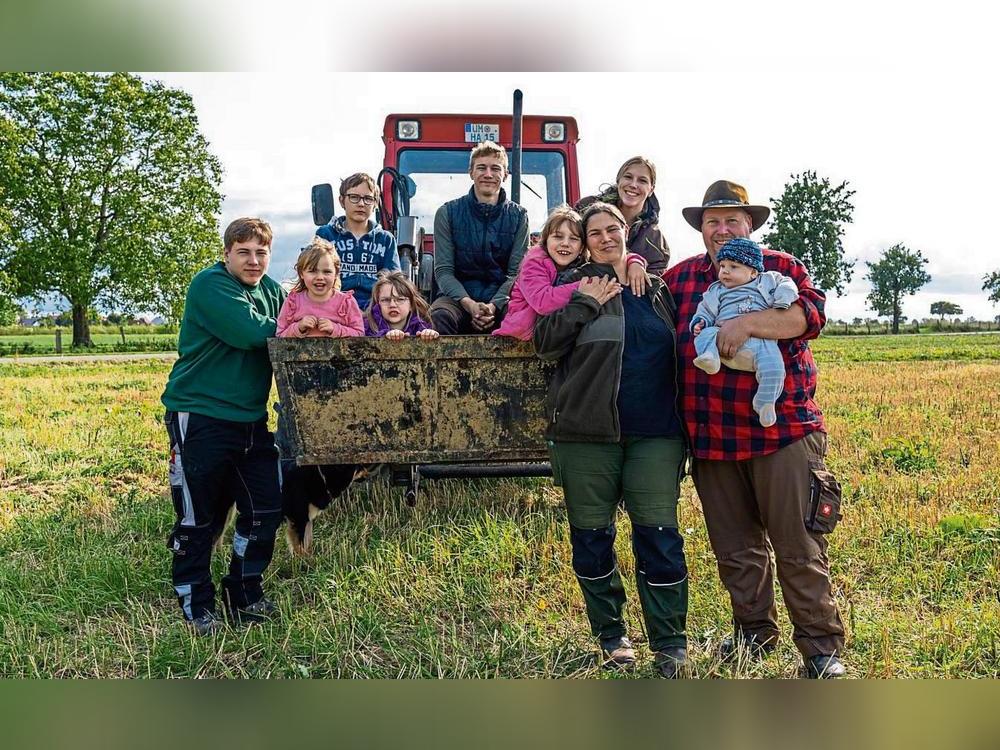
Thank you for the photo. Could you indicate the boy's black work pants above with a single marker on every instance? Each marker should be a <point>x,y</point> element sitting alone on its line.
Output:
<point>215,464</point>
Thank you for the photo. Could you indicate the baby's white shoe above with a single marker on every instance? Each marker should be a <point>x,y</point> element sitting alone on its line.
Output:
<point>767,416</point>
<point>709,362</point>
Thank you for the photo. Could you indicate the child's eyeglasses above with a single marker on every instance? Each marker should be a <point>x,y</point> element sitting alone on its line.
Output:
<point>365,199</point>
<point>392,300</point>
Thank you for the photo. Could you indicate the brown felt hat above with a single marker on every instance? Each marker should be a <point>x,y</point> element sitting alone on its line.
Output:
<point>725,194</point>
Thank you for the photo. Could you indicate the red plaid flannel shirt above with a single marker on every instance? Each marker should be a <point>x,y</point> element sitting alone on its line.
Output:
<point>717,408</point>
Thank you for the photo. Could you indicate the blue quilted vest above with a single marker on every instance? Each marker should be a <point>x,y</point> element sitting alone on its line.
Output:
<point>483,236</point>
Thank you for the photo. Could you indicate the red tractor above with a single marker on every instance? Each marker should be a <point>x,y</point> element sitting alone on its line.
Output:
<point>464,406</point>
<point>427,163</point>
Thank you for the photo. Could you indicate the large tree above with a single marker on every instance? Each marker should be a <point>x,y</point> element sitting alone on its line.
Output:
<point>110,191</point>
<point>808,223</point>
<point>944,307</point>
<point>897,274</point>
<point>991,284</point>
<point>10,311</point>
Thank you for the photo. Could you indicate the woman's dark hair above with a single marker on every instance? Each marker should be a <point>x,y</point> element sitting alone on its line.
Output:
<point>600,207</point>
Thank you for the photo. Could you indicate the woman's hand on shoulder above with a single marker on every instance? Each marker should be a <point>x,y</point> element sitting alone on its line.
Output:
<point>601,288</point>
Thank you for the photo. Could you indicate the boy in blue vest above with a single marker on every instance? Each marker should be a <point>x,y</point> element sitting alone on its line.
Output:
<point>479,241</point>
<point>365,248</point>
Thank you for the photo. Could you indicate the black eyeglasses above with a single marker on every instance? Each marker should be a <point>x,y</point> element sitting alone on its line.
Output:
<point>365,199</point>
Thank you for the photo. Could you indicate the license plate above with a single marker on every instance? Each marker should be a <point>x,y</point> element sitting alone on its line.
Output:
<point>477,132</point>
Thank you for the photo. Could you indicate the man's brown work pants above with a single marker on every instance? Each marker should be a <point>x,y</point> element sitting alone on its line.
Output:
<point>758,504</point>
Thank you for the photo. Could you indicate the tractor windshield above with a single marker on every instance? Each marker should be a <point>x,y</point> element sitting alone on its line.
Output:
<point>443,174</point>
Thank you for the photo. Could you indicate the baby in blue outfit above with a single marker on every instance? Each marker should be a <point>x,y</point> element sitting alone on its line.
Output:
<point>744,287</point>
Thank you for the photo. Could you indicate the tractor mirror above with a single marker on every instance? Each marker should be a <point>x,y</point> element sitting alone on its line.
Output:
<point>322,204</point>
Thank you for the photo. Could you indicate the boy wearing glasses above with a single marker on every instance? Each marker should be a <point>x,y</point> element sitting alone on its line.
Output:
<point>365,248</point>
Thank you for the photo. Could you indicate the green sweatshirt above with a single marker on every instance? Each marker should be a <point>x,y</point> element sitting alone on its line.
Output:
<point>224,370</point>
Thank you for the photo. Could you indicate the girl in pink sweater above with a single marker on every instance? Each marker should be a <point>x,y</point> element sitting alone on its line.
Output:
<point>316,306</point>
<point>533,294</point>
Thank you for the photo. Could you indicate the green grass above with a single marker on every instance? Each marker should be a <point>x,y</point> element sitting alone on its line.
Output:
<point>476,579</point>
<point>907,348</point>
<point>35,344</point>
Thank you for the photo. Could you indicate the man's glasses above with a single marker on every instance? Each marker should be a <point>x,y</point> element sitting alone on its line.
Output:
<point>391,300</point>
<point>365,199</point>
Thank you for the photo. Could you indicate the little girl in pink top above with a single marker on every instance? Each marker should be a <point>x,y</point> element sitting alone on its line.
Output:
<point>316,306</point>
<point>533,293</point>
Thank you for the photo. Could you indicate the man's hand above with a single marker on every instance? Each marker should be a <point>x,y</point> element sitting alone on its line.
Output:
<point>733,334</point>
<point>393,335</point>
<point>325,325</point>
<point>470,306</point>
<point>636,278</point>
<point>764,324</point>
<point>600,288</point>
<point>307,323</point>
<point>487,314</point>
<point>483,313</point>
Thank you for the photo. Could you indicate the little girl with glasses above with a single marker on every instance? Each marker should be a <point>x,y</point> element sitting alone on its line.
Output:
<point>316,306</point>
<point>397,310</point>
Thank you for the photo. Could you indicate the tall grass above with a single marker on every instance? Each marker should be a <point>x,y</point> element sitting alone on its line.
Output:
<point>476,579</point>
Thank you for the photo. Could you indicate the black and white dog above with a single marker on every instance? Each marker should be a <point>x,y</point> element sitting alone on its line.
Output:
<point>306,491</point>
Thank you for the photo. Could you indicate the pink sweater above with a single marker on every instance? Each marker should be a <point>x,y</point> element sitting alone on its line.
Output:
<point>341,309</point>
<point>534,295</point>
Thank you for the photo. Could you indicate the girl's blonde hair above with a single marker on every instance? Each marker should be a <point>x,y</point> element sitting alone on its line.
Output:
<point>309,259</point>
<point>559,216</point>
<point>641,161</point>
<point>403,287</point>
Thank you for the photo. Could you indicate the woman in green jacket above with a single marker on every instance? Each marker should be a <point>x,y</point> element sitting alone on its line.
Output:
<point>614,434</point>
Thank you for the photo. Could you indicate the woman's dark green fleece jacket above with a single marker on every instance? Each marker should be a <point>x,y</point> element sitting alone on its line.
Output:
<point>588,340</point>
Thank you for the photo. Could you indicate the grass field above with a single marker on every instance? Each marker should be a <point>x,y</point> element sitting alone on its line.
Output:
<point>830,348</point>
<point>476,580</point>
<point>907,348</point>
<point>29,344</point>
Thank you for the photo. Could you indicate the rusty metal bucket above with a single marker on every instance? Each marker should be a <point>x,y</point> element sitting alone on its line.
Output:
<point>455,399</point>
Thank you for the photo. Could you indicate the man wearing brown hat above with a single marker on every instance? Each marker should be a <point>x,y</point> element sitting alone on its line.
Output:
<point>761,488</point>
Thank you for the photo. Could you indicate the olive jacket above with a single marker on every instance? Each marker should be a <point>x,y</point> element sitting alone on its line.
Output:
<point>588,340</point>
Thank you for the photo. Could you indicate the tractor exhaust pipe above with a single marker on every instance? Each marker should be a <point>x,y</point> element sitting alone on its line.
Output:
<point>515,152</point>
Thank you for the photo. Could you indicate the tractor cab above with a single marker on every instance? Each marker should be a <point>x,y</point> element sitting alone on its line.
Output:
<point>427,163</point>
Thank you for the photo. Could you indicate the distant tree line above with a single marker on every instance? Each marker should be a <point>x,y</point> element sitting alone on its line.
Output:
<point>808,222</point>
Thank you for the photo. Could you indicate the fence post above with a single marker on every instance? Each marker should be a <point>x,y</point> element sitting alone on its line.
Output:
<point>59,341</point>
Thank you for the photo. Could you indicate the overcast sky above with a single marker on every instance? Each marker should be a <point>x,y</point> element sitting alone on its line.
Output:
<point>915,145</point>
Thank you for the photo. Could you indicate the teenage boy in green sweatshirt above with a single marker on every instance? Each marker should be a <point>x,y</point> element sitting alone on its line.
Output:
<point>221,451</point>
